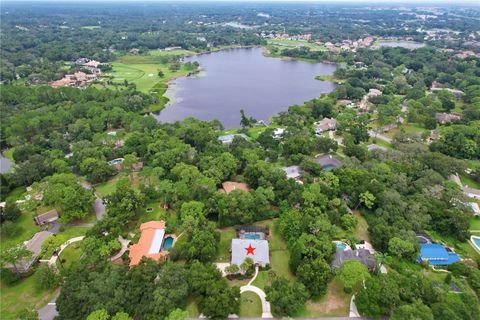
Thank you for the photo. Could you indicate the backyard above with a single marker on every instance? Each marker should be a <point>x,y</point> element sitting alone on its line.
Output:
<point>250,305</point>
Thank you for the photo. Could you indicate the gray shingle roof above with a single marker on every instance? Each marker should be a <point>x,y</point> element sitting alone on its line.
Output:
<point>361,255</point>
<point>260,253</point>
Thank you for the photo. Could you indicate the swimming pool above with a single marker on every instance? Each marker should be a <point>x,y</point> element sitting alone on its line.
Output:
<point>116,161</point>
<point>341,245</point>
<point>167,243</point>
<point>252,236</point>
<point>328,168</point>
<point>475,242</point>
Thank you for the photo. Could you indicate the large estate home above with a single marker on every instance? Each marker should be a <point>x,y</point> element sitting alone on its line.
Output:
<point>153,243</point>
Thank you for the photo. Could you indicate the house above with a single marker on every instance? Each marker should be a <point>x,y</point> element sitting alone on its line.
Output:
<point>444,118</point>
<point>374,93</point>
<point>328,162</point>
<point>255,249</point>
<point>278,133</point>
<point>374,146</point>
<point>292,172</point>
<point>229,186</point>
<point>92,63</point>
<point>361,255</point>
<point>46,217</point>
<point>473,206</point>
<point>228,138</point>
<point>457,93</point>
<point>34,245</point>
<point>325,124</point>
<point>152,243</point>
<point>436,255</point>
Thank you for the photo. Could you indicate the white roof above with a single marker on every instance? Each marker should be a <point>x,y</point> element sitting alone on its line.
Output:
<point>258,247</point>
<point>157,241</point>
<point>292,172</point>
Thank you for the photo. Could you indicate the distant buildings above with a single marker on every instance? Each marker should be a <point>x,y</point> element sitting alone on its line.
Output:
<point>328,162</point>
<point>445,118</point>
<point>229,186</point>
<point>278,133</point>
<point>292,172</point>
<point>78,79</point>
<point>325,124</point>
<point>228,138</point>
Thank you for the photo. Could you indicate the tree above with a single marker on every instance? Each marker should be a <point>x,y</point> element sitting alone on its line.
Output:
<point>27,314</point>
<point>402,248</point>
<point>46,278</point>
<point>287,298</point>
<point>161,74</point>
<point>414,311</point>
<point>100,314</point>
<point>315,275</point>
<point>246,122</point>
<point>96,170</point>
<point>351,273</point>
<point>367,199</point>
<point>15,255</point>
<point>171,289</point>
<point>177,314</point>
<point>220,300</point>
<point>379,296</point>
<point>11,212</point>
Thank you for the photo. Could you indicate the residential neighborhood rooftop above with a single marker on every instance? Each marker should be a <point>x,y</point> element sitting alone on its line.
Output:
<point>257,250</point>
<point>150,243</point>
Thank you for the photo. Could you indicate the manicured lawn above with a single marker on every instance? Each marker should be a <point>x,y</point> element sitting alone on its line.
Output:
<point>26,229</point>
<point>91,27</point>
<point>16,194</point>
<point>467,181</point>
<point>70,255</point>
<point>475,223</point>
<point>262,280</point>
<point>408,128</point>
<point>462,248</point>
<point>362,227</point>
<point>21,295</point>
<point>279,254</point>
<point>106,188</point>
<point>250,305</point>
<point>380,142</point>
<point>282,44</point>
<point>226,236</point>
<point>66,234</point>
<point>335,303</point>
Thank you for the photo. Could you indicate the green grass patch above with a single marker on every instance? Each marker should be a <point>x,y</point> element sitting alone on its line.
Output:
<point>410,128</point>
<point>262,280</point>
<point>26,229</point>
<point>226,236</point>
<point>107,188</point>
<point>475,223</point>
<point>467,181</point>
<point>16,194</point>
<point>380,142</point>
<point>250,305</point>
<point>192,308</point>
<point>361,233</point>
<point>21,295</point>
<point>335,303</point>
<point>70,255</point>
<point>287,44</point>
<point>91,27</point>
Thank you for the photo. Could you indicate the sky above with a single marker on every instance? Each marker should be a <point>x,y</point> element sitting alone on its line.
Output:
<point>419,2</point>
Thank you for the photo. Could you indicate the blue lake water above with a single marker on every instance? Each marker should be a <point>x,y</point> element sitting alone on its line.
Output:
<point>243,78</point>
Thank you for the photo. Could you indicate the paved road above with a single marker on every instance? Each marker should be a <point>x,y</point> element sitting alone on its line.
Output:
<point>49,312</point>
<point>99,208</point>
<point>379,136</point>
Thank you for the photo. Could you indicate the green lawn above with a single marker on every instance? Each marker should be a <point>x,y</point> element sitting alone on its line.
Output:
<point>26,229</point>
<point>90,27</point>
<point>250,305</point>
<point>16,194</point>
<point>467,181</point>
<point>192,308</point>
<point>407,128</point>
<point>262,280</point>
<point>361,233</point>
<point>70,255</point>
<point>380,142</point>
<point>21,295</point>
<point>226,236</point>
<point>106,188</point>
<point>282,44</point>
<point>66,234</point>
<point>335,303</point>
<point>475,223</point>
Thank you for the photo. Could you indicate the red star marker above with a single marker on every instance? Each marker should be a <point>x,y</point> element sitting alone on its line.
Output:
<point>250,249</point>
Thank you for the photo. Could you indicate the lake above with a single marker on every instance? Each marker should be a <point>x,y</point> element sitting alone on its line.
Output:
<point>243,78</point>
<point>403,44</point>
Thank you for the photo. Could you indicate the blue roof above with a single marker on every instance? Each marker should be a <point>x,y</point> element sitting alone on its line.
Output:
<point>436,254</point>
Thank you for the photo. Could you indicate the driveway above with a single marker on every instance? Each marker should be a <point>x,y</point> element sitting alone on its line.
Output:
<point>99,207</point>
<point>379,136</point>
<point>49,312</point>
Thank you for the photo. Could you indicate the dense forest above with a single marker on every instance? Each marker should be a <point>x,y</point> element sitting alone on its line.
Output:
<point>62,139</point>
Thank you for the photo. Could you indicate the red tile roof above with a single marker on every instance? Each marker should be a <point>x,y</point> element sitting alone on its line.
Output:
<point>140,249</point>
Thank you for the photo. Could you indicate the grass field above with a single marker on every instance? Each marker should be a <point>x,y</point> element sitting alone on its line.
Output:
<point>379,142</point>
<point>467,181</point>
<point>336,303</point>
<point>70,255</point>
<point>407,128</point>
<point>26,229</point>
<point>282,44</point>
<point>475,223</point>
<point>226,236</point>
<point>250,305</point>
<point>142,70</point>
<point>21,295</point>
<point>362,227</point>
